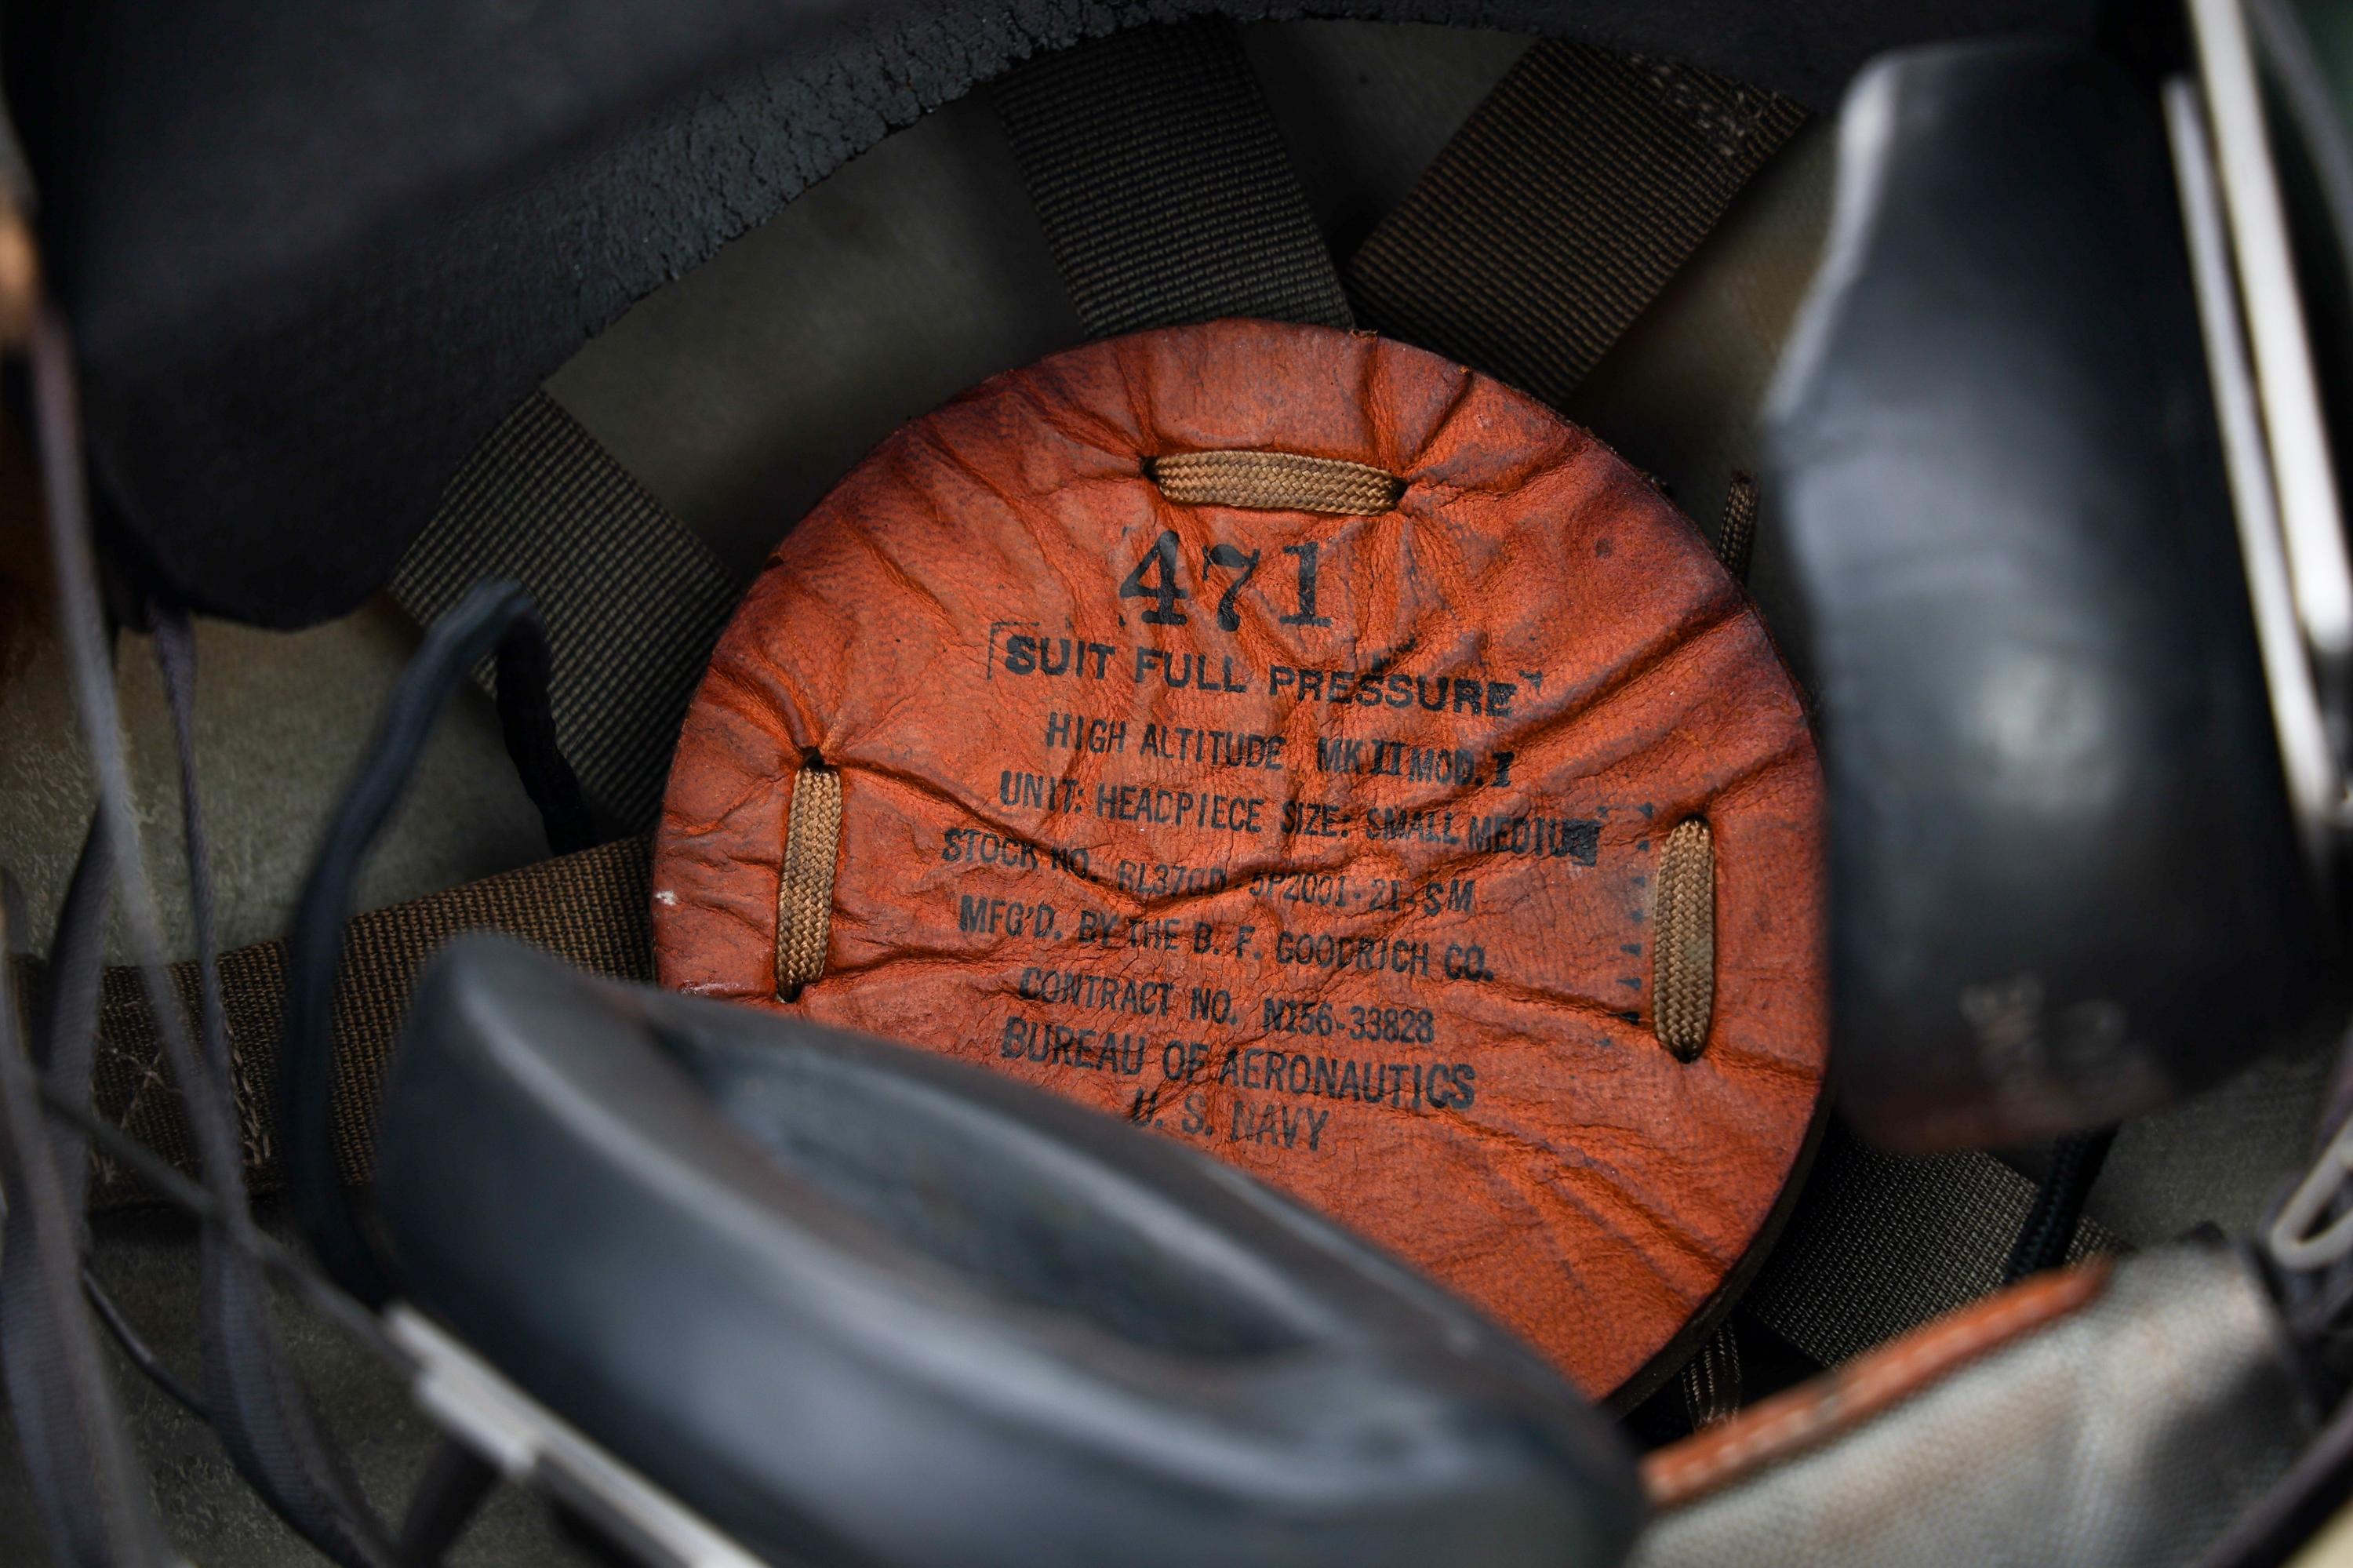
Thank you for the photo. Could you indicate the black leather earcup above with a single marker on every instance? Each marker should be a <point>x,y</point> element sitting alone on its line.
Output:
<point>854,1302</point>
<point>2065,881</point>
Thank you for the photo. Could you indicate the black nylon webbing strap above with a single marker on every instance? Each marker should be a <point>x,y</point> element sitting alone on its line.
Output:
<point>1880,1244</point>
<point>632,600</point>
<point>1561,209</point>
<point>589,907</point>
<point>1165,190</point>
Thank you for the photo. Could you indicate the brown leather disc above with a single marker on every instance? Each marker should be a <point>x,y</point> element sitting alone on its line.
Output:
<point>1326,843</point>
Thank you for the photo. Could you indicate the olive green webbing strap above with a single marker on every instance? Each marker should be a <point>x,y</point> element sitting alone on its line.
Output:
<point>1162,185</point>
<point>632,600</point>
<point>591,908</point>
<point>1561,209</point>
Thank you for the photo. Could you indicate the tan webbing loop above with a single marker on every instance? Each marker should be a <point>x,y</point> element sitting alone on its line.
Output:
<point>804,879</point>
<point>1682,941</point>
<point>1682,983</point>
<point>1275,481</point>
<point>1736,535</point>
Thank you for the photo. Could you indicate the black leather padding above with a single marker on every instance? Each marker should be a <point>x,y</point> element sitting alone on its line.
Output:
<point>855,1302</point>
<point>314,252</point>
<point>2065,884</point>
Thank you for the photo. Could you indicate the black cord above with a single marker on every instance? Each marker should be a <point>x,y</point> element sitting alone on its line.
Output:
<point>51,1407</point>
<point>2048,1233</point>
<point>92,1491</point>
<point>456,1483</point>
<point>65,1026</point>
<point>527,725</point>
<point>165,1180</point>
<point>65,1031</point>
<point>126,1338</point>
<point>261,1412</point>
<point>498,617</point>
<point>77,1453</point>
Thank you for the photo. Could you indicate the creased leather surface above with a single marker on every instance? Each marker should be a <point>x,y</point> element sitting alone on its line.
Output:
<point>1463,1070</point>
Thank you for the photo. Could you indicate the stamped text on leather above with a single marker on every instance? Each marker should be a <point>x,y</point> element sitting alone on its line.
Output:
<point>1322,844</point>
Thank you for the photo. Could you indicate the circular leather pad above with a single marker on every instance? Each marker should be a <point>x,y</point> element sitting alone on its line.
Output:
<point>1326,844</point>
